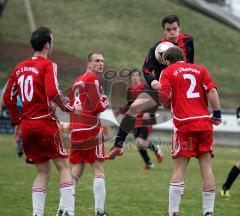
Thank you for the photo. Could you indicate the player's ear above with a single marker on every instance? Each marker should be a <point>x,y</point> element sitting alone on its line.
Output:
<point>168,62</point>
<point>47,45</point>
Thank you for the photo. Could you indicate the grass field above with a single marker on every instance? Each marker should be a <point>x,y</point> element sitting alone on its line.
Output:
<point>131,191</point>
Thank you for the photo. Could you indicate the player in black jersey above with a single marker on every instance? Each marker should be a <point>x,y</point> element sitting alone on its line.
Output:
<point>152,70</point>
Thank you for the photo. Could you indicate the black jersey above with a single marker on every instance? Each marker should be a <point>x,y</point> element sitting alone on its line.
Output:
<point>152,68</point>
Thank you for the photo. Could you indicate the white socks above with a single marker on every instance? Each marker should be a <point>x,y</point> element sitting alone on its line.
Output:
<point>208,197</point>
<point>38,200</point>
<point>67,197</point>
<point>99,192</point>
<point>175,194</point>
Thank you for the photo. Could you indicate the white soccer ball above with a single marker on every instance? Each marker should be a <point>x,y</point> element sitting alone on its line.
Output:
<point>160,49</point>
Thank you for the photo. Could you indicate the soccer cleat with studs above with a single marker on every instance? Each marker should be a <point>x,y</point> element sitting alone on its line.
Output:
<point>114,151</point>
<point>61,212</point>
<point>149,166</point>
<point>225,193</point>
<point>101,213</point>
<point>209,214</point>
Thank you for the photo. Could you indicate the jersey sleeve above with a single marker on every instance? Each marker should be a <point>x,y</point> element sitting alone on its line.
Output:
<point>149,65</point>
<point>52,89</point>
<point>208,83</point>
<point>98,102</point>
<point>165,88</point>
<point>10,99</point>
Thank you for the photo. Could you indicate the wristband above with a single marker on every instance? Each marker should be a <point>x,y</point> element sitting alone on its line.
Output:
<point>217,114</point>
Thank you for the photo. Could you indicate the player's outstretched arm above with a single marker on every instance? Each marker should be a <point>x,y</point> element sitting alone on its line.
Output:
<point>214,101</point>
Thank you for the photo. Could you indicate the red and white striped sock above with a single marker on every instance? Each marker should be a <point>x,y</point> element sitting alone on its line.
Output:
<point>75,180</point>
<point>208,197</point>
<point>175,194</point>
<point>99,191</point>
<point>67,197</point>
<point>38,200</point>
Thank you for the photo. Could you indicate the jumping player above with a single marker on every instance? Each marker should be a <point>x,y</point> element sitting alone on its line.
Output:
<point>152,70</point>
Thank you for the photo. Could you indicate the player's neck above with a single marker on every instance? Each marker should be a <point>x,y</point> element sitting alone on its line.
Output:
<point>40,53</point>
<point>95,73</point>
<point>136,84</point>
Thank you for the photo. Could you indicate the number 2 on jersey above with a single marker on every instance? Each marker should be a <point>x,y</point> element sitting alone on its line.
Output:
<point>26,86</point>
<point>190,92</point>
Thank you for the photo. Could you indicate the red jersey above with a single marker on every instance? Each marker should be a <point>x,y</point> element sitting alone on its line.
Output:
<point>88,91</point>
<point>132,95</point>
<point>133,91</point>
<point>187,85</point>
<point>35,81</point>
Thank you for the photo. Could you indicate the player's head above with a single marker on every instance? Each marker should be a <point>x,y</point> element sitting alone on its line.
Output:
<point>173,55</point>
<point>171,27</point>
<point>95,62</point>
<point>135,76</point>
<point>42,39</point>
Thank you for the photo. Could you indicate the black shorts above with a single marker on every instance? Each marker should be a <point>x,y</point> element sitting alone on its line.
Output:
<point>153,94</point>
<point>141,132</point>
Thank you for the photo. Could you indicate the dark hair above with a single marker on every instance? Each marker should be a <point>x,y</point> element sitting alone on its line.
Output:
<point>89,56</point>
<point>135,70</point>
<point>173,54</point>
<point>170,19</point>
<point>40,37</point>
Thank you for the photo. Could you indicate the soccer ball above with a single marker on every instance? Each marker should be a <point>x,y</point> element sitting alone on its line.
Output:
<point>160,49</point>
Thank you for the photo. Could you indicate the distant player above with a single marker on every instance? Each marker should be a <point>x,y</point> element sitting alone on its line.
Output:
<point>35,81</point>
<point>152,70</point>
<point>233,173</point>
<point>142,125</point>
<point>186,88</point>
<point>4,114</point>
<point>86,133</point>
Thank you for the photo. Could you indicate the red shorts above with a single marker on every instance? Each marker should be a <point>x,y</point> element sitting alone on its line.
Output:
<point>87,146</point>
<point>191,144</point>
<point>42,141</point>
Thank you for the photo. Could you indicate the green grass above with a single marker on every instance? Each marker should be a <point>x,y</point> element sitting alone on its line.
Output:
<point>130,189</point>
<point>124,30</point>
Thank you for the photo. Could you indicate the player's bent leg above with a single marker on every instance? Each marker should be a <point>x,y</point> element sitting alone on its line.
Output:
<point>176,187</point>
<point>99,188</point>
<point>76,172</point>
<point>143,102</point>
<point>66,187</point>
<point>157,150</point>
<point>208,190</point>
<point>39,188</point>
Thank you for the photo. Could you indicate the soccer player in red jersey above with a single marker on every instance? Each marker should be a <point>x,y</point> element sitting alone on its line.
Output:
<point>143,126</point>
<point>187,88</point>
<point>35,81</point>
<point>86,133</point>
<point>151,70</point>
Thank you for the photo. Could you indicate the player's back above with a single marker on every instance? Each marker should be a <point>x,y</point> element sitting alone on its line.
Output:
<point>189,85</point>
<point>36,80</point>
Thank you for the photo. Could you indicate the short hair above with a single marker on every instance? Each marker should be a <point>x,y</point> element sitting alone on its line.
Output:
<point>40,37</point>
<point>89,56</point>
<point>135,70</point>
<point>170,19</point>
<point>173,54</point>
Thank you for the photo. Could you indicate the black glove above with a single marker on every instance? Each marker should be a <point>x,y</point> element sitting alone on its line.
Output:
<point>216,117</point>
